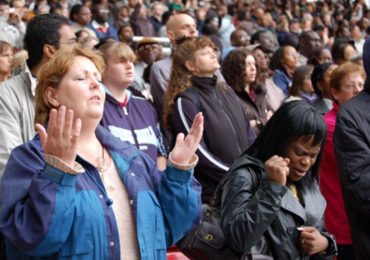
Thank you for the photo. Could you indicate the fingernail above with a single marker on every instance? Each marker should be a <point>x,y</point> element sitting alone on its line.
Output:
<point>300,228</point>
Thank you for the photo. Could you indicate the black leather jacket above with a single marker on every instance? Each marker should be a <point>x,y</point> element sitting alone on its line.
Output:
<point>250,211</point>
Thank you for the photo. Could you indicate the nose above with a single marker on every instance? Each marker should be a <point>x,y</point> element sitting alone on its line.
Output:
<point>306,161</point>
<point>193,30</point>
<point>94,82</point>
<point>358,88</point>
<point>129,65</point>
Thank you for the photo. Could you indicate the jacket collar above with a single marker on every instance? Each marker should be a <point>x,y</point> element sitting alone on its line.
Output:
<point>204,82</point>
<point>314,203</point>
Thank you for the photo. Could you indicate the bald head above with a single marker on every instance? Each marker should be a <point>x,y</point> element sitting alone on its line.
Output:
<point>181,25</point>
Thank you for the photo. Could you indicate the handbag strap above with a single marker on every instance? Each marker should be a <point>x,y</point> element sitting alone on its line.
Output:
<point>216,199</point>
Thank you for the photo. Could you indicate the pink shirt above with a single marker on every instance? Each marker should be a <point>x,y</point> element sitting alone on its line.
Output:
<point>336,220</point>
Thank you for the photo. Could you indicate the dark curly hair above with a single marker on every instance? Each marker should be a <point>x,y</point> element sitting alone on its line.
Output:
<point>234,68</point>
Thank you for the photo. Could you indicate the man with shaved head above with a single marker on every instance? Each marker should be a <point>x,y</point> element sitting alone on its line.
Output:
<point>180,24</point>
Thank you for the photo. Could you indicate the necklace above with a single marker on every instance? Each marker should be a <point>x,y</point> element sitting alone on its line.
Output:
<point>101,165</point>
<point>102,168</point>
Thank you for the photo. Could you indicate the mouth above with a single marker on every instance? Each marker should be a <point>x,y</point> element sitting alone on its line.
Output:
<point>95,98</point>
<point>300,172</point>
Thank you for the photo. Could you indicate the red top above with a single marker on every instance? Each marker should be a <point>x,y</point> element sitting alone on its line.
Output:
<point>336,220</point>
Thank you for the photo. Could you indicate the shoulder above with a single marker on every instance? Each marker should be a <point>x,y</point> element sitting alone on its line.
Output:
<point>27,155</point>
<point>13,84</point>
<point>165,63</point>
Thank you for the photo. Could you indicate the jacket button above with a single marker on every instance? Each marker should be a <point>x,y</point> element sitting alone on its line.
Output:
<point>132,174</point>
<point>111,244</point>
<point>131,202</point>
<point>101,196</point>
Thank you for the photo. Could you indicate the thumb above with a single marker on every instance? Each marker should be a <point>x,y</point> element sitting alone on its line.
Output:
<point>287,160</point>
<point>43,135</point>
<point>308,229</point>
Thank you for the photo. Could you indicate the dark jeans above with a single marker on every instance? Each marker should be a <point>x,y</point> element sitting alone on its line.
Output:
<point>345,252</point>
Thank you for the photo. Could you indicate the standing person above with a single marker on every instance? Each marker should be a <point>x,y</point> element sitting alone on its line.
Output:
<point>284,62</point>
<point>274,95</point>
<point>272,192</point>
<point>148,51</point>
<point>194,87</point>
<point>80,17</point>
<point>140,21</point>
<point>44,35</point>
<point>100,25</point>
<point>302,88</point>
<point>239,71</point>
<point>6,57</point>
<point>346,81</point>
<point>82,193</point>
<point>351,142</point>
<point>178,25</point>
<point>127,116</point>
<point>320,79</point>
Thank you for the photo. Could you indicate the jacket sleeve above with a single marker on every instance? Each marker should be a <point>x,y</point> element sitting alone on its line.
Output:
<point>158,85</point>
<point>352,151</point>
<point>37,203</point>
<point>179,196</point>
<point>182,118</point>
<point>246,214</point>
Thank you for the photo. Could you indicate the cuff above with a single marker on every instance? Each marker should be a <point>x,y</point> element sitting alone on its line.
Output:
<point>183,167</point>
<point>62,166</point>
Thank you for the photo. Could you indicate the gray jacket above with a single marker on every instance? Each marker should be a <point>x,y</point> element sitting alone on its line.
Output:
<point>17,112</point>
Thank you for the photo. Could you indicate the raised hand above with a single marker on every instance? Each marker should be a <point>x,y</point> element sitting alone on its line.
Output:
<point>60,139</point>
<point>185,148</point>
<point>277,169</point>
<point>311,240</point>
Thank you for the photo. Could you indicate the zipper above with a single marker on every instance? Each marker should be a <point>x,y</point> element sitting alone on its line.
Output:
<point>125,112</point>
<point>228,119</point>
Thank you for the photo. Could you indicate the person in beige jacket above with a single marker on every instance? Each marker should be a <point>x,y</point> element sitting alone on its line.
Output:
<point>44,35</point>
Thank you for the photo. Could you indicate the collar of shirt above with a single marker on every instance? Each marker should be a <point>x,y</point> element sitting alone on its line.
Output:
<point>96,26</point>
<point>32,79</point>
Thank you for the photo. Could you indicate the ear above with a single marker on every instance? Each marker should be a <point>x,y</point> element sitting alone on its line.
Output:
<point>51,96</point>
<point>49,50</point>
<point>319,86</point>
<point>334,93</point>
<point>172,37</point>
<point>190,66</point>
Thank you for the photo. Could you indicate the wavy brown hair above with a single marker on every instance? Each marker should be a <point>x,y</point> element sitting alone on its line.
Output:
<point>234,68</point>
<point>180,79</point>
<point>52,72</point>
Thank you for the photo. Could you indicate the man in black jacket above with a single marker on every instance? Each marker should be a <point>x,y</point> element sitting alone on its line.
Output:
<point>352,150</point>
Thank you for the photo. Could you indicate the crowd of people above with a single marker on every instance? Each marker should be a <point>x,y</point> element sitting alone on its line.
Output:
<point>109,145</point>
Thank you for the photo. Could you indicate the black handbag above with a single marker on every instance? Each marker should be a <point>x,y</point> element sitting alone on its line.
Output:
<point>207,240</point>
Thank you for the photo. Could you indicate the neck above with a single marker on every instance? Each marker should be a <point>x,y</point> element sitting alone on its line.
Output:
<point>289,71</point>
<point>203,75</point>
<point>117,92</point>
<point>34,70</point>
<point>246,88</point>
<point>87,138</point>
<point>4,77</point>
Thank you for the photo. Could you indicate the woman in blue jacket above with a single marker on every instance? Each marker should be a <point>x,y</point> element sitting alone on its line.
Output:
<point>77,192</point>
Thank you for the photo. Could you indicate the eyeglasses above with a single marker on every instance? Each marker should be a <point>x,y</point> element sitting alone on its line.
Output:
<point>103,11</point>
<point>148,47</point>
<point>71,41</point>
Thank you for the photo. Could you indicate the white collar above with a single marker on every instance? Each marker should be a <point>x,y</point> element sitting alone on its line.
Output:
<point>32,79</point>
